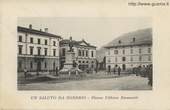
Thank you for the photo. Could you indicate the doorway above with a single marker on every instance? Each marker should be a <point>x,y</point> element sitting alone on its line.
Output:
<point>124,67</point>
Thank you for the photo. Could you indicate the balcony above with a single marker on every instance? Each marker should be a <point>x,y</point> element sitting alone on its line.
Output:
<point>39,56</point>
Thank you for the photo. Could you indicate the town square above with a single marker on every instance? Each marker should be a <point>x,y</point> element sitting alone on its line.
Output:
<point>50,61</point>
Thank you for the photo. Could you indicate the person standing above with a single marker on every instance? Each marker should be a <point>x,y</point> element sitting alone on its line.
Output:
<point>150,76</point>
<point>138,71</point>
<point>119,70</point>
<point>56,71</point>
<point>109,70</point>
<point>96,70</point>
<point>25,73</point>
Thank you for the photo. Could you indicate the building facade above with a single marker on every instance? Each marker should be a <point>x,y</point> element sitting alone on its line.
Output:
<point>130,50</point>
<point>37,50</point>
<point>85,53</point>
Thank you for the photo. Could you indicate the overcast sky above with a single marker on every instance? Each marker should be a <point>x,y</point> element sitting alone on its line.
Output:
<point>96,31</point>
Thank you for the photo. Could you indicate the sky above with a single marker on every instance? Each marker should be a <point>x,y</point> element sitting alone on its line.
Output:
<point>96,31</point>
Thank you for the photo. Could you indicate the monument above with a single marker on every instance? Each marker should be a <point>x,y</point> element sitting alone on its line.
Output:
<point>70,65</point>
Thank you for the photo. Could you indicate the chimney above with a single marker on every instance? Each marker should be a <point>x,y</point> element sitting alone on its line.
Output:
<point>30,26</point>
<point>46,29</point>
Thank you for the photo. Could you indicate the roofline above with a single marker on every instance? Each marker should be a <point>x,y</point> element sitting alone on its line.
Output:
<point>127,45</point>
<point>37,32</point>
<point>79,45</point>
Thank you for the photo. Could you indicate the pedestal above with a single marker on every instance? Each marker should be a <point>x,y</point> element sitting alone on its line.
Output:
<point>68,65</point>
<point>70,56</point>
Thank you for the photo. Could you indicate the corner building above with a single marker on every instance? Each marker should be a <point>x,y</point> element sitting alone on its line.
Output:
<point>130,50</point>
<point>37,50</point>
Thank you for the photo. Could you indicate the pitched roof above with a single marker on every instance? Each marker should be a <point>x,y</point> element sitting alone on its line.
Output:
<point>77,43</point>
<point>139,37</point>
<point>37,32</point>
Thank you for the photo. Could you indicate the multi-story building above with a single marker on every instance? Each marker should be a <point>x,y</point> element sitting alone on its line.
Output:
<point>85,53</point>
<point>130,50</point>
<point>37,50</point>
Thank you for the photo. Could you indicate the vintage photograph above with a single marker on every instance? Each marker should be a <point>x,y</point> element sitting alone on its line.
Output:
<point>84,53</point>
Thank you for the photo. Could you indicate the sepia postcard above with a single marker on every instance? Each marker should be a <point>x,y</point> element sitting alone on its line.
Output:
<point>84,55</point>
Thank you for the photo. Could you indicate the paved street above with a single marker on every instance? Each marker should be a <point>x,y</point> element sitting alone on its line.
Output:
<point>131,82</point>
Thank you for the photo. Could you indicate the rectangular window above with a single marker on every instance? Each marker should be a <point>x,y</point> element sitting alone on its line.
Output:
<point>31,40</point>
<point>149,50</point>
<point>39,50</point>
<point>54,52</point>
<point>31,50</point>
<point>45,51</point>
<point>45,42</point>
<point>82,52</point>
<point>20,38</point>
<point>86,53</point>
<point>123,58</point>
<point>20,49</point>
<point>54,43</point>
<point>39,41</point>
<point>92,54</point>
<point>115,51</point>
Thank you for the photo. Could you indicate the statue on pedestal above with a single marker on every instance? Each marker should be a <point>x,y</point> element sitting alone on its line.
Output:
<point>71,64</point>
<point>70,45</point>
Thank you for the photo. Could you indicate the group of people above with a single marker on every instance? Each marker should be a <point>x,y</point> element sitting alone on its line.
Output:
<point>115,69</point>
<point>144,71</point>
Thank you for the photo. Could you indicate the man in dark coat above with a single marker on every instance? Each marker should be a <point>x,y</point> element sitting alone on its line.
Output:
<point>56,71</point>
<point>109,70</point>
<point>119,70</point>
<point>150,75</point>
<point>25,73</point>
